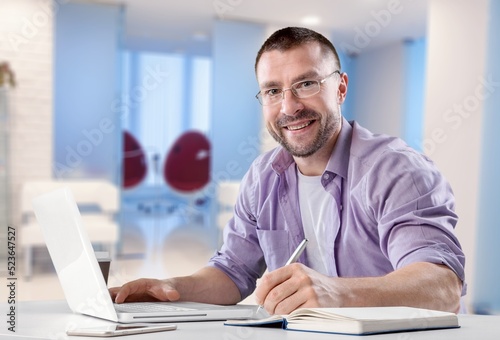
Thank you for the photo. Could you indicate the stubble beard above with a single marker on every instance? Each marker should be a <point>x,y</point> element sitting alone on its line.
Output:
<point>325,132</point>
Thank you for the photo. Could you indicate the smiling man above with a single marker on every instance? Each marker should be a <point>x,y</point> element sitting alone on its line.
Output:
<point>379,216</point>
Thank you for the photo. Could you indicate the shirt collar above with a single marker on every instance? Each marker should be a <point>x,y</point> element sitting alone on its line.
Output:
<point>339,159</point>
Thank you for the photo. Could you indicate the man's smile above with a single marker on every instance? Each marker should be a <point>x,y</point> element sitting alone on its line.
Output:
<point>299,126</point>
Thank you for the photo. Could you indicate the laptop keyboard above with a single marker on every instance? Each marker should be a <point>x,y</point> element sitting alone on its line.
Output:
<point>148,307</point>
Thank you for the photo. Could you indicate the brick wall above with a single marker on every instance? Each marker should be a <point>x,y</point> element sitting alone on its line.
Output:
<point>26,42</point>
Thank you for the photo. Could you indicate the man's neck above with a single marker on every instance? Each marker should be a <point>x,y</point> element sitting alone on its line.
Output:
<point>315,164</point>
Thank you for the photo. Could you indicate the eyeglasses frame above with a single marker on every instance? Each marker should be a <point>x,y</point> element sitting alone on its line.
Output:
<point>292,89</point>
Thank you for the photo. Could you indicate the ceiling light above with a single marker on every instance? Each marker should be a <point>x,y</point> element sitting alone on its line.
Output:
<point>311,20</point>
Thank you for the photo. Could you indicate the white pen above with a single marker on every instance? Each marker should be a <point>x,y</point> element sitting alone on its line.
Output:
<point>295,255</point>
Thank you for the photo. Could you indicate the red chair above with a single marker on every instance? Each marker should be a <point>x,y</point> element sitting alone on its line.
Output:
<point>134,161</point>
<point>187,170</point>
<point>187,165</point>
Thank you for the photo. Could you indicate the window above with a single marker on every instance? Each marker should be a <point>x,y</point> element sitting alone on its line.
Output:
<point>164,95</point>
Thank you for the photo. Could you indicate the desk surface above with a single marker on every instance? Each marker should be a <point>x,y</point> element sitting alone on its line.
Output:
<point>50,320</point>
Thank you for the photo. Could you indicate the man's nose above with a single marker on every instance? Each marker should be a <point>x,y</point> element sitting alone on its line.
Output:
<point>290,105</point>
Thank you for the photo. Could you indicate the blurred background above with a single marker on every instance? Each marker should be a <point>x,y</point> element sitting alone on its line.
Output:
<point>146,110</point>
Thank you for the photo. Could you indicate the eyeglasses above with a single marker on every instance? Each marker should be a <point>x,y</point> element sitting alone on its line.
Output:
<point>300,89</point>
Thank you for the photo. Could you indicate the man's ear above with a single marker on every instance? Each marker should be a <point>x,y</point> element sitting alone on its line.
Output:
<point>342,91</point>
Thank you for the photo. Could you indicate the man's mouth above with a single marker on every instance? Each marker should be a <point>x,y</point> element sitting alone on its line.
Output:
<point>298,127</point>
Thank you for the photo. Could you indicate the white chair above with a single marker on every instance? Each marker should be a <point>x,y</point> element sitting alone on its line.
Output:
<point>98,201</point>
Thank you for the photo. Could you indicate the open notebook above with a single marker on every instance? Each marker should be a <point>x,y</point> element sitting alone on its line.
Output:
<point>356,320</point>
<point>82,280</point>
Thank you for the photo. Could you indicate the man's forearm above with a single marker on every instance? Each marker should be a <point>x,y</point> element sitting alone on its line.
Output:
<point>424,285</point>
<point>208,285</point>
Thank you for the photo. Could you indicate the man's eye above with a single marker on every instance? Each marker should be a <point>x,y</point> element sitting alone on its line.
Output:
<point>272,92</point>
<point>305,84</point>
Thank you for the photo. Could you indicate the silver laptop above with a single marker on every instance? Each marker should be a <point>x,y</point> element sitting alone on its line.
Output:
<point>82,280</point>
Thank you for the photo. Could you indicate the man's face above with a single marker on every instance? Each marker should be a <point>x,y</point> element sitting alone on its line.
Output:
<point>302,126</point>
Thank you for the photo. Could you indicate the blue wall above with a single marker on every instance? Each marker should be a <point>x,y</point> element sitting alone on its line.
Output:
<point>87,142</point>
<point>386,89</point>
<point>348,65</point>
<point>236,114</point>
<point>415,52</point>
<point>486,292</point>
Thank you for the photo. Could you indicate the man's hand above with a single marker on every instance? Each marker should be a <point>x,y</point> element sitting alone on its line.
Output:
<point>290,287</point>
<point>421,284</point>
<point>145,290</point>
<point>208,285</point>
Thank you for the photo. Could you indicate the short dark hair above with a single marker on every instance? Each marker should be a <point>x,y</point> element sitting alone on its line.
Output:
<point>290,37</point>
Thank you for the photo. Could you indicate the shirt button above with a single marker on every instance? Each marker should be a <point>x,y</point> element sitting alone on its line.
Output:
<point>326,176</point>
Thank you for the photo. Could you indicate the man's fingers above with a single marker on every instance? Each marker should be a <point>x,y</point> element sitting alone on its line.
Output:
<point>144,290</point>
<point>273,288</point>
<point>290,302</point>
<point>123,292</point>
<point>282,298</point>
<point>113,291</point>
<point>267,283</point>
<point>164,292</point>
<point>134,291</point>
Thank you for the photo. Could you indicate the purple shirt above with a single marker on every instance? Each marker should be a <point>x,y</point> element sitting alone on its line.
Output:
<point>394,208</point>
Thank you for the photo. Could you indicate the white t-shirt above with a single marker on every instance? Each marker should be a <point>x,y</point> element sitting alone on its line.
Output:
<point>317,206</point>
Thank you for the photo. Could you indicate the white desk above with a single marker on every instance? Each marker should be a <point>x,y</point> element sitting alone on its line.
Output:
<point>50,319</point>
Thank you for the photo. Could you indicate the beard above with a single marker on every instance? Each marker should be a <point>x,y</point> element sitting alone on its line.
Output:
<point>326,130</point>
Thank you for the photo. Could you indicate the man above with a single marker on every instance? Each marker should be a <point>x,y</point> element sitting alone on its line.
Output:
<point>379,217</point>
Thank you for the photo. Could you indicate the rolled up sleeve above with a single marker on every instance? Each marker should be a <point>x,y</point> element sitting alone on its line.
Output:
<point>414,207</point>
<point>241,257</point>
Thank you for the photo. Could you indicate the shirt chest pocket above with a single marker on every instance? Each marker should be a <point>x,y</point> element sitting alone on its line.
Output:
<point>275,245</point>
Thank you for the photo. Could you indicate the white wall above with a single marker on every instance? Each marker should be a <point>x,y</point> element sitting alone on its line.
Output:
<point>26,42</point>
<point>378,87</point>
<point>456,52</point>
